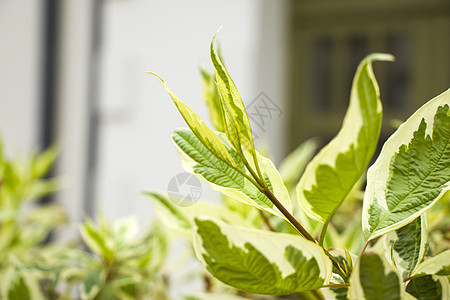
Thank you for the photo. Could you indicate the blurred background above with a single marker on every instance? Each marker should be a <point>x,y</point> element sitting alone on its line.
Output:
<point>74,72</point>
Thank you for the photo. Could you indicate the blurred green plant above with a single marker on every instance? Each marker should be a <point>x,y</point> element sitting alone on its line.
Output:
<point>124,264</point>
<point>119,260</point>
<point>23,224</point>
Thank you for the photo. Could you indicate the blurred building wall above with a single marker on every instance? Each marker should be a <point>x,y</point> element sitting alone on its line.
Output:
<point>112,119</point>
<point>172,38</point>
<point>20,45</point>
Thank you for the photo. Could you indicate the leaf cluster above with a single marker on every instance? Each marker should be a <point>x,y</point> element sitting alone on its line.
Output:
<point>312,244</point>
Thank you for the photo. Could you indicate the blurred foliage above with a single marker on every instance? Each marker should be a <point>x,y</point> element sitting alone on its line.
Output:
<point>113,260</point>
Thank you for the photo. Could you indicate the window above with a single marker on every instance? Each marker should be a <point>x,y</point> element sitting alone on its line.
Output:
<point>329,39</point>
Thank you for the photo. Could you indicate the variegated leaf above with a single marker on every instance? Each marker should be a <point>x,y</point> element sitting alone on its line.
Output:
<point>411,172</point>
<point>331,175</point>
<point>260,262</point>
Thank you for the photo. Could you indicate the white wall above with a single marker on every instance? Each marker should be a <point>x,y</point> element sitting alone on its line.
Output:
<point>74,79</point>
<point>20,34</point>
<point>21,71</point>
<point>170,38</point>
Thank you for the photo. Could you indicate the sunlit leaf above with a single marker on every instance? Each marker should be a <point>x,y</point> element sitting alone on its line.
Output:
<point>331,175</point>
<point>237,124</point>
<point>198,160</point>
<point>374,279</point>
<point>406,246</point>
<point>429,288</point>
<point>437,265</point>
<point>205,135</point>
<point>411,172</point>
<point>182,218</point>
<point>170,211</point>
<point>212,99</point>
<point>258,261</point>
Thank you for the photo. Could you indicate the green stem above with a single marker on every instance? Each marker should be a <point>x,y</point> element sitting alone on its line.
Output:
<point>255,183</point>
<point>292,220</point>
<point>413,277</point>
<point>366,243</point>
<point>323,232</point>
<point>255,160</point>
<point>325,226</point>
<point>266,221</point>
<point>259,179</point>
<point>300,228</point>
<point>288,215</point>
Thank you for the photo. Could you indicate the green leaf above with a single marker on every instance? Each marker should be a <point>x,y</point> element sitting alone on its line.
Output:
<point>335,293</point>
<point>92,283</point>
<point>94,240</point>
<point>212,99</point>
<point>237,124</point>
<point>181,219</point>
<point>19,290</point>
<point>42,163</point>
<point>293,165</point>
<point>205,135</point>
<point>332,174</point>
<point>109,292</point>
<point>408,245</point>
<point>260,262</point>
<point>437,265</point>
<point>43,188</point>
<point>18,284</point>
<point>374,279</point>
<point>411,172</point>
<point>169,210</point>
<point>198,160</point>
<point>428,288</point>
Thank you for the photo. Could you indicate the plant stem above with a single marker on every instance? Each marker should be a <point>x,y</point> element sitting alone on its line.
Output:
<point>324,231</point>
<point>266,221</point>
<point>299,227</point>
<point>262,183</point>
<point>363,248</point>
<point>265,190</point>
<point>413,277</point>
<point>407,278</point>
<point>288,215</point>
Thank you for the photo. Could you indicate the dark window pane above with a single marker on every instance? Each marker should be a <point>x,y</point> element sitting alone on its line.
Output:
<point>320,70</point>
<point>398,77</point>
